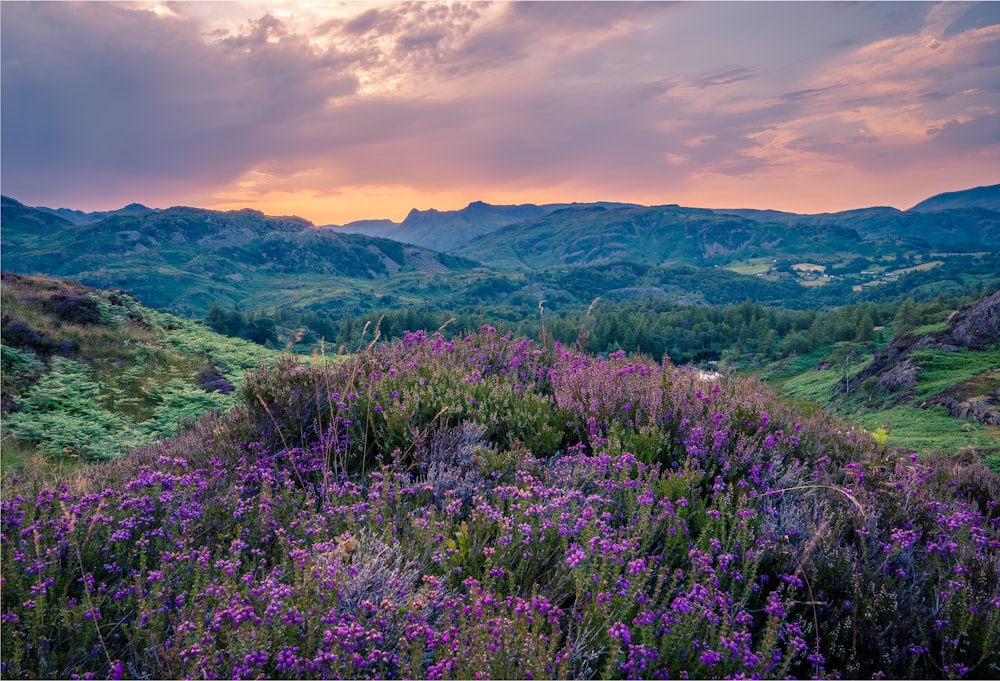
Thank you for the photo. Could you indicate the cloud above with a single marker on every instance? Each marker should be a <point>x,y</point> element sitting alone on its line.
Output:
<point>890,103</point>
<point>733,75</point>
<point>635,101</point>
<point>971,134</point>
<point>106,95</point>
<point>980,15</point>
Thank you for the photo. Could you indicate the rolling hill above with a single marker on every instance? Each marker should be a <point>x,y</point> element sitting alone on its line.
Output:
<point>669,235</point>
<point>978,197</point>
<point>963,224</point>
<point>184,258</point>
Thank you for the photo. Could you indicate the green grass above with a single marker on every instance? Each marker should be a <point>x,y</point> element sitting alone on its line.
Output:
<point>753,266</point>
<point>942,370</point>
<point>930,328</point>
<point>812,386</point>
<point>793,366</point>
<point>930,429</point>
<point>797,377</point>
<point>801,385</point>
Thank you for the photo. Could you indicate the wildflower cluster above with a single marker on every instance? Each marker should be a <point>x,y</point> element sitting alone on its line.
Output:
<point>491,508</point>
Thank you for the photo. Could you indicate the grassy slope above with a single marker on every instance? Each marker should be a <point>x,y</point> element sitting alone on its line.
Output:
<point>93,373</point>
<point>810,379</point>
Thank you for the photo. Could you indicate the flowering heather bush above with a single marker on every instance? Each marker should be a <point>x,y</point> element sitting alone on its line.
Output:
<point>73,307</point>
<point>490,508</point>
<point>212,380</point>
<point>18,334</point>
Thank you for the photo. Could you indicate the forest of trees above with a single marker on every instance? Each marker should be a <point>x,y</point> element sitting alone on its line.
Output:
<point>742,333</point>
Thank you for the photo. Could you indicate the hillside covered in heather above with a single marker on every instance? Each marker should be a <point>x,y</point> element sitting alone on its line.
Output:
<point>498,507</point>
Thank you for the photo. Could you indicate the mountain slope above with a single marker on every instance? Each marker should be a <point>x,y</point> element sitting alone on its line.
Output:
<point>25,227</point>
<point>79,217</point>
<point>451,229</point>
<point>962,228</point>
<point>978,197</point>
<point>94,373</point>
<point>657,235</point>
<point>185,258</point>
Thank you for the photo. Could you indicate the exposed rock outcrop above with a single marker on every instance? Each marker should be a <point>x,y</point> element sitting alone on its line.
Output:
<point>975,327</point>
<point>977,399</point>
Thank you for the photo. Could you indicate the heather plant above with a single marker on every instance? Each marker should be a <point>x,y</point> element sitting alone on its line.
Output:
<point>73,308</point>
<point>488,507</point>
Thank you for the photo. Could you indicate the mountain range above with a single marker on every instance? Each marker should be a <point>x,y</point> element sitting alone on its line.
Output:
<point>449,229</point>
<point>453,230</point>
<point>185,258</point>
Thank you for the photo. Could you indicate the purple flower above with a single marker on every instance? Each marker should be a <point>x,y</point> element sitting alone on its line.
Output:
<point>621,632</point>
<point>709,658</point>
<point>575,555</point>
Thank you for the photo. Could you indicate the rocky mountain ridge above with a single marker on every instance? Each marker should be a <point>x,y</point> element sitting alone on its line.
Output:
<point>447,230</point>
<point>191,256</point>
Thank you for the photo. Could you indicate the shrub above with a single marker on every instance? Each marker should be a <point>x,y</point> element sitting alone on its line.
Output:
<point>18,334</point>
<point>73,308</point>
<point>704,531</point>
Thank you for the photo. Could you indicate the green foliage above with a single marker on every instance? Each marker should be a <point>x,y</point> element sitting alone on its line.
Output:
<point>906,317</point>
<point>931,429</point>
<point>127,377</point>
<point>941,370</point>
<point>866,329</point>
<point>19,363</point>
<point>63,414</point>
<point>179,401</point>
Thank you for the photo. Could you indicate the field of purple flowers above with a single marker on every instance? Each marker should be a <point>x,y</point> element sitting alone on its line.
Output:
<point>494,508</point>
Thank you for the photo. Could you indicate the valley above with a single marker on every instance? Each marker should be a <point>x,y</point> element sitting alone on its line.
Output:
<point>747,291</point>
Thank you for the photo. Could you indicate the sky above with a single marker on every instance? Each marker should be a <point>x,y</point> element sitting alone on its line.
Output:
<point>343,111</point>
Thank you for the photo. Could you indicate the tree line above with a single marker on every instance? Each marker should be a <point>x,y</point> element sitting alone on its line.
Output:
<point>744,333</point>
